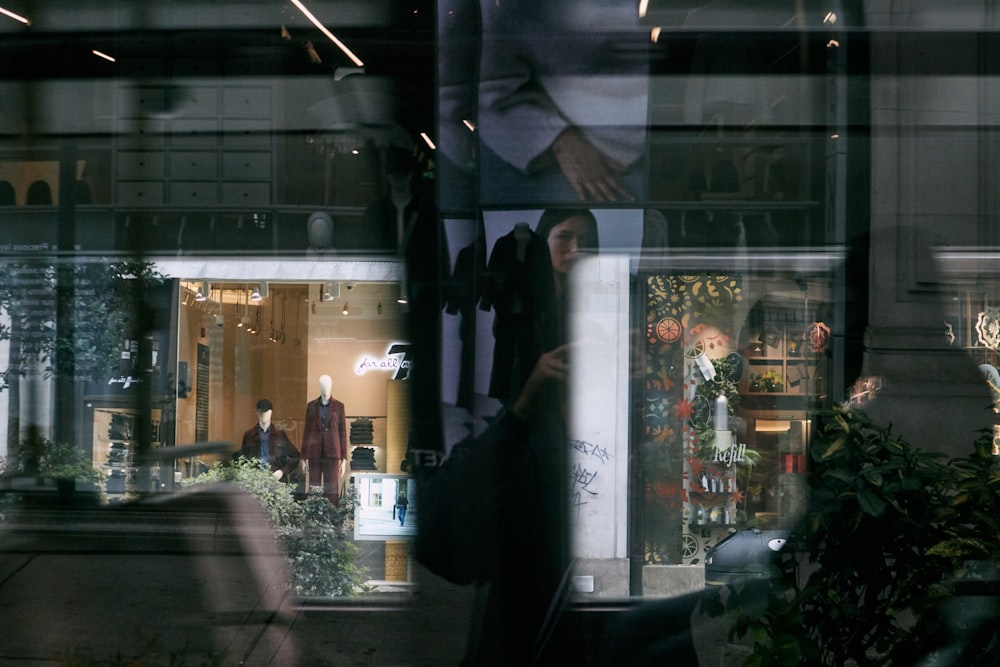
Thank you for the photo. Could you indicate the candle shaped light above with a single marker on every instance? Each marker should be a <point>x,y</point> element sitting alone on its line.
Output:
<point>720,423</point>
<point>721,420</point>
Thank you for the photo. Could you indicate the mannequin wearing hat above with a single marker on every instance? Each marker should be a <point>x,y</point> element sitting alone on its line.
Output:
<point>269,444</point>
<point>324,440</point>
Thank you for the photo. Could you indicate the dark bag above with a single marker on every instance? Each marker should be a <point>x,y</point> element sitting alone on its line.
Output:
<point>457,503</point>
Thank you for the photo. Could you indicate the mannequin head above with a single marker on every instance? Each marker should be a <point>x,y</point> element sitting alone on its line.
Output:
<point>264,411</point>
<point>320,230</point>
<point>325,386</point>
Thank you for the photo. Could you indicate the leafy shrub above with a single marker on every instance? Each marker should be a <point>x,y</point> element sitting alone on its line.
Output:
<point>313,531</point>
<point>892,537</point>
<point>44,458</point>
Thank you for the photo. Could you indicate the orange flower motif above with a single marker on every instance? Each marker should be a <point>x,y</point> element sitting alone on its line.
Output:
<point>666,490</point>
<point>683,409</point>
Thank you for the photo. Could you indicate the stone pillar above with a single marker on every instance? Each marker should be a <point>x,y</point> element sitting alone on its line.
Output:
<point>926,169</point>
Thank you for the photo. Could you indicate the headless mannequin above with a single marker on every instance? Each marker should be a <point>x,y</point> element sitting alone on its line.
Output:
<point>400,194</point>
<point>522,234</point>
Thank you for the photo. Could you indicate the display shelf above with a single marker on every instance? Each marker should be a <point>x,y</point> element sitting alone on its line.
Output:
<point>780,361</point>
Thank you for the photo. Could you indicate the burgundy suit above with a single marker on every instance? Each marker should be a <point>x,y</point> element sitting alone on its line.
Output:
<point>324,445</point>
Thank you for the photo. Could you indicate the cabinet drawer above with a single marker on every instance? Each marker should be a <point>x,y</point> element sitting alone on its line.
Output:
<point>141,101</point>
<point>246,194</point>
<point>249,102</point>
<point>246,132</point>
<point>193,165</point>
<point>194,193</point>
<point>246,165</point>
<point>140,165</point>
<point>194,132</point>
<point>197,100</point>
<point>144,193</point>
<point>131,131</point>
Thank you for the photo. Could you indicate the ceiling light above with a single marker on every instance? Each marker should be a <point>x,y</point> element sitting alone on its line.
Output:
<point>16,17</point>
<point>101,54</point>
<point>203,291</point>
<point>427,140</point>
<point>322,28</point>
<point>255,295</point>
<point>331,291</point>
<point>346,310</point>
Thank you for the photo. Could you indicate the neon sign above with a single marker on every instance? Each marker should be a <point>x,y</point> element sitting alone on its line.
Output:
<point>396,359</point>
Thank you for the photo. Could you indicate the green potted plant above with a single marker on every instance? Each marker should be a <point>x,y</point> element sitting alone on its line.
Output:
<point>769,381</point>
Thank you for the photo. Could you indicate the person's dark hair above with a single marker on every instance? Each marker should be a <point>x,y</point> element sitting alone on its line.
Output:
<point>553,216</point>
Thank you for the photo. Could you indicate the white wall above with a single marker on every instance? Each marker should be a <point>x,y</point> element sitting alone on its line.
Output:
<point>600,426</point>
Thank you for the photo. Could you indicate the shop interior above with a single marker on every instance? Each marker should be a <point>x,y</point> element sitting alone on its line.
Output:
<point>239,342</point>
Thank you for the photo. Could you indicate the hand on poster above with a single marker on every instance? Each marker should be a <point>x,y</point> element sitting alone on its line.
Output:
<point>588,170</point>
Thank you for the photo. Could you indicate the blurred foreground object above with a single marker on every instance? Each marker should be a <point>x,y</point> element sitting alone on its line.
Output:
<point>193,578</point>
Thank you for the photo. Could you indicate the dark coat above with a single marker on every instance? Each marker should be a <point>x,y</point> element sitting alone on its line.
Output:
<point>325,440</point>
<point>284,455</point>
<point>519,291</point>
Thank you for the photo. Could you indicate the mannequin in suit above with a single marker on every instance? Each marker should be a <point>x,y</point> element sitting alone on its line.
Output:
<point>324,440</point>
<point>269,444</point>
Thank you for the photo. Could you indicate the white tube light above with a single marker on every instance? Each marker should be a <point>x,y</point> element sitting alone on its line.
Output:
<point>16,17</point>
<point>322,28</point>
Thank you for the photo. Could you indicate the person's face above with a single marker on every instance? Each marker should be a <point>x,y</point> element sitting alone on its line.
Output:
<point>264,416</point>
<point>565,241</point>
